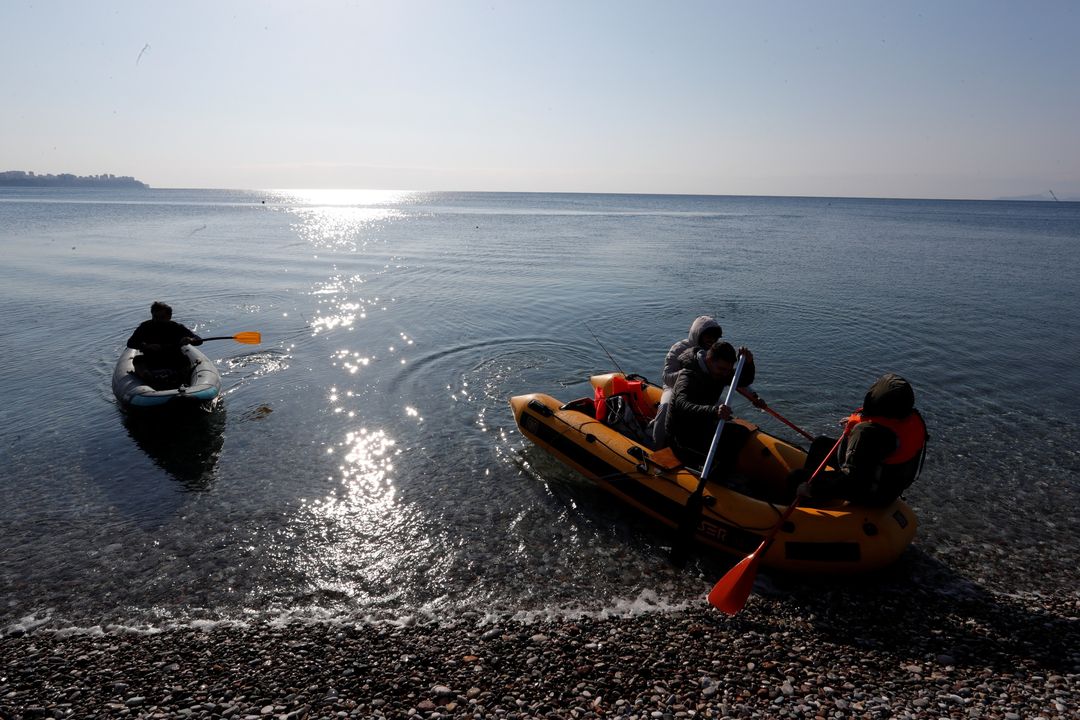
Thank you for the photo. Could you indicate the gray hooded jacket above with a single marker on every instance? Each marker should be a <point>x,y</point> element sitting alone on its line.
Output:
<point>672,364</point>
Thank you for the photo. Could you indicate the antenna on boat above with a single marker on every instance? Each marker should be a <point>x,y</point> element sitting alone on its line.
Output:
<point>604,349</point>
<point>1054,196</point>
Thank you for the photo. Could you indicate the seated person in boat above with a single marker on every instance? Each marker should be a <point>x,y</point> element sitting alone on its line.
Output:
<point>697,406</point>
<point>704,332</point>
<point>882,455</point>
<point>159,339</point>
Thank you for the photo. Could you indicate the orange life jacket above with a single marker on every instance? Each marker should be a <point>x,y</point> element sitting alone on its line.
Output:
<point>635,393</point>
<point>910,433</point>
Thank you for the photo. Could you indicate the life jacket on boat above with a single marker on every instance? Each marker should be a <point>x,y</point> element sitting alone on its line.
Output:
<point>632,390</point>
<point>910,432</point>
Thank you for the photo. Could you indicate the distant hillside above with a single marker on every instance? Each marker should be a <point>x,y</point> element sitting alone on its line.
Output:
<point>20,178</point>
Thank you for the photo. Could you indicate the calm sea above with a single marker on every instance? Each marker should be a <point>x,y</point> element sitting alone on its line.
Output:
<point>363,462</point>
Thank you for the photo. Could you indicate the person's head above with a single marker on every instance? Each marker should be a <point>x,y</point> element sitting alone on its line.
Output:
<point>720,359</point>
<point>709,336</point>
<point>889,396</point>
<point>705,331</point>
<point>160,311</point>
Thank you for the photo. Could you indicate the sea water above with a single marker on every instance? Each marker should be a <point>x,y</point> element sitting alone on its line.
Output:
<point>362,462</point>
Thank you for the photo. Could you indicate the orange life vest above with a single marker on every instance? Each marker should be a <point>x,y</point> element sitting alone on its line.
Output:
<point>635,393</point>
<point>910,433</point>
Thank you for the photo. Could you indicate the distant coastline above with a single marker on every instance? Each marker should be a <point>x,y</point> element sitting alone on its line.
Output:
<point>21,178</point>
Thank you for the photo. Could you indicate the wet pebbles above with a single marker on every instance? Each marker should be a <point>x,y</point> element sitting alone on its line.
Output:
<point>812,654</point>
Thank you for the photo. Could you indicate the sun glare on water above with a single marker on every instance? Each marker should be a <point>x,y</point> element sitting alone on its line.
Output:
<point>344,197</point>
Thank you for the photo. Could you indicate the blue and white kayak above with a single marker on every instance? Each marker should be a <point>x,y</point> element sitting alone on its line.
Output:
<point>203,385</point>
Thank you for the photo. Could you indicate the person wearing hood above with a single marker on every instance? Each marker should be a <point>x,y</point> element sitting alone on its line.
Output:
<point>882,454</point>
<point>697,405</point>
<point>704,332</point>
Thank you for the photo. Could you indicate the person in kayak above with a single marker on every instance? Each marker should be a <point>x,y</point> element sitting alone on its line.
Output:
<point>159,339</point>
<point>882,454</point>
<point>697,407</point>
<point>704,332</point>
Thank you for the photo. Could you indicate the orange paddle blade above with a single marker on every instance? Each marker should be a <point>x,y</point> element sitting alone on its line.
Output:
<point>248,338</point>
<point>730,593</point>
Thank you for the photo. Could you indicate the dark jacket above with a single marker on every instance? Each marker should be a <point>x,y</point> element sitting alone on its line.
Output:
<point>864,476</point>
<point>692,419</point>
<point>165,333</point>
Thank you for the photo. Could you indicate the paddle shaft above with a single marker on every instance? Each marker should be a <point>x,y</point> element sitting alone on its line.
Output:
<point>692,510</point>
<point>719,427</point>
<point>250,338</point>
<point>731,591</point>
<point>778,416</point>
<point>794,503</point>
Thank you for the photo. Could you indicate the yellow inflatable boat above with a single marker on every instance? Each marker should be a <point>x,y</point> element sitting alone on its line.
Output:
<point>838,538</point>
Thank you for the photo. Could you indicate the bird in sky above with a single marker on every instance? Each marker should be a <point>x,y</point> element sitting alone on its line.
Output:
<point>145,48</point>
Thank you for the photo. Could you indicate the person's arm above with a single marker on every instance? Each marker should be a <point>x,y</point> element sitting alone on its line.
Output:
<point>748,371</point>
<point>868,445</point>
<point>189,337</point>
<point>750,394</point>
<point>684,407</point>
<point>135,342</point>
<point>672,366</point>
<point>140,339</point>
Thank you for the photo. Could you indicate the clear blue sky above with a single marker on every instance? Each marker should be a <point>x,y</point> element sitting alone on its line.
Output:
<point>889,99</point>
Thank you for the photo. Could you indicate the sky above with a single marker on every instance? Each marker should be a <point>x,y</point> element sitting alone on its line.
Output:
<point>942,99</point>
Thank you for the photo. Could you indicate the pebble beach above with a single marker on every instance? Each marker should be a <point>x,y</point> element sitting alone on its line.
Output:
<point>890,652</point>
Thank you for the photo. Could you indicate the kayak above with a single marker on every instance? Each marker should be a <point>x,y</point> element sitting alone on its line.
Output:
<point>201,386</point>
<point>833,538</point>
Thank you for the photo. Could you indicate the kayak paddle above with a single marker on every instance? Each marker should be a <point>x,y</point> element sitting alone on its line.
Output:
<point>248,338</point>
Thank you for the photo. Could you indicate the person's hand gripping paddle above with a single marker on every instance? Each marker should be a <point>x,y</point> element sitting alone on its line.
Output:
<point>692,512</point>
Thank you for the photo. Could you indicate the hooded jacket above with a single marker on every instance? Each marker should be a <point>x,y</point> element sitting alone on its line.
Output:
<point>691,421</point>
<point>672,364</point>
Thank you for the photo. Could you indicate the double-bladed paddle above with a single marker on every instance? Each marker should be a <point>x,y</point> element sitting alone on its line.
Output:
<point>248,338</point>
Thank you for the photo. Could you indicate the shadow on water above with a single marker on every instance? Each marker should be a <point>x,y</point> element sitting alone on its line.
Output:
<point>921,611</point>
<point>184,441</point>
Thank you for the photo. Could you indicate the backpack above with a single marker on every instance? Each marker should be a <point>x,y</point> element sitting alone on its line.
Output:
<point>620,416</point>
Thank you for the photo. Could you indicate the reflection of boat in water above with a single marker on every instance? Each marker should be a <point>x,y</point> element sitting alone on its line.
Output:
<point>202,384</point>
<point>838,538</point>
<point>184,440</point>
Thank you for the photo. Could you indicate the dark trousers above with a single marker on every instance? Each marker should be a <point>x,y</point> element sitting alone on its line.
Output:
<point>732,439</point>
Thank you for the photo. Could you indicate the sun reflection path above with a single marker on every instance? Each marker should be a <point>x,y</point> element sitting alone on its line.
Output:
<point>368,466</point>
<point>367,486</point>
<point>351,361</point>
<point>344,197</point>
<point>352,545</point>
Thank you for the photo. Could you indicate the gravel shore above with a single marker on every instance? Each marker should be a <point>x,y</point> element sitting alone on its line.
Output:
<point>810,653</point>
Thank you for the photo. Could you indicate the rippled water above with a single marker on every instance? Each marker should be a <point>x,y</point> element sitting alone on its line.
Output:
<point>363,461</point>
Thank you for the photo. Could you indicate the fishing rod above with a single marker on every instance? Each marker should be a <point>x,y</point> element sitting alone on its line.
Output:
<point>604,349</point>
